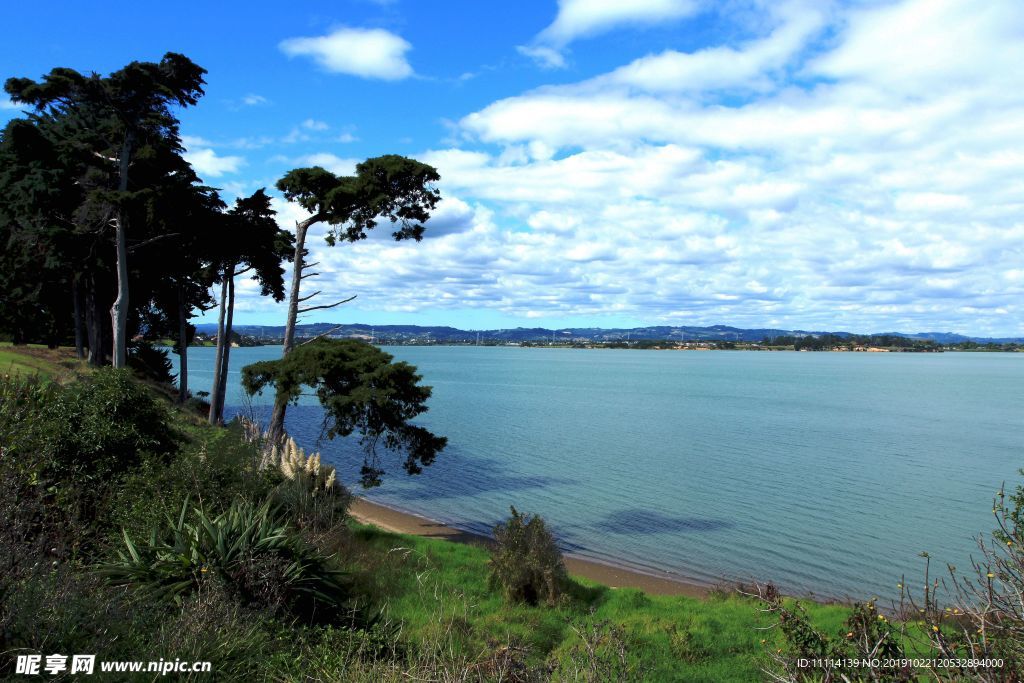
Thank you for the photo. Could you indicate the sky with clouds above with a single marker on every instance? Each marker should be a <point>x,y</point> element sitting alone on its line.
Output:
<point>761,163</point>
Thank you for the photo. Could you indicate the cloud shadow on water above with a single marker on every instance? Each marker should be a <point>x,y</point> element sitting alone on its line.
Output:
<point>641,521</point>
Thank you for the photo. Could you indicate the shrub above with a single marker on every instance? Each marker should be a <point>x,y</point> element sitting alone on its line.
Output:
<point>264,562</point>
<point>22,400</point>
<point>526,563</point>
<point>150,362</point>
<point>309,490</point>
<point>602,653</point>
<point>59,610</point>
<point>91,433</point>
<point>98,427</point>
<point>212,472</point>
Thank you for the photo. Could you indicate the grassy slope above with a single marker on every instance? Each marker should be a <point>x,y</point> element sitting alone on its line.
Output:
<point>53,364</point>
<point>432,585</point>
<point>436,591</point>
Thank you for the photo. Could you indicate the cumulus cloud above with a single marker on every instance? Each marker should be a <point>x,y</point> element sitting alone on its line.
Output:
<point>5,103</point>
<point>367,53</point>
<point>206,161</point>
<point>252,100</point>
<point>584,18</point>
<point>852,168</point>
<point>722,67</point>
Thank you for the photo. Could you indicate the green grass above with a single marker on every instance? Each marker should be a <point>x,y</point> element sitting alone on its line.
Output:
<point>17,363</point>
<point>438,591</point>
<point>35,359</point>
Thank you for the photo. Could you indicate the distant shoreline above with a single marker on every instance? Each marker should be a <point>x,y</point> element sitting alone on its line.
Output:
<point>741,346</point>
<point>614,576</point>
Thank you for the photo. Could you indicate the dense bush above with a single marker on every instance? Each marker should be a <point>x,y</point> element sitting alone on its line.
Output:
<point>262,561</point>
<point>151,362</point>
<point>98,426</point>
<point>212,469</point>
<point>526,564</point>
<point>73,443</point>
<point>23,398</point>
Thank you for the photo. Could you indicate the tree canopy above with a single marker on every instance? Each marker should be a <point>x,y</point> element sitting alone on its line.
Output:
<point>391,186</point>
<point>363,392</point>
<point>100,126</point>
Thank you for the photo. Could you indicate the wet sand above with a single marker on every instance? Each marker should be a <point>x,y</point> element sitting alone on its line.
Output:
<point>397,521</point>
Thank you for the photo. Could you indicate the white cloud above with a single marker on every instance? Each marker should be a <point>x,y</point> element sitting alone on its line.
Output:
<point>919,46</point>
<point>794,178</point>
<point>313,124</point>
<point>583,18</point>
<point>367,53</point>
<point>5,103</point>
<point>547,57</point>
<point>725,66</point>
<point>331,162</point>
<point>209,164</point>
<point>252,100</point>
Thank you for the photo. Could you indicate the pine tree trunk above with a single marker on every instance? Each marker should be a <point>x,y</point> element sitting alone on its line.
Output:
<point>76,304</point>
<point>275,432</point>
<point>94,324</point>
<point>119,311</point>
<point>228,334</point>
<point>182,347</point>
<point>218,364</point>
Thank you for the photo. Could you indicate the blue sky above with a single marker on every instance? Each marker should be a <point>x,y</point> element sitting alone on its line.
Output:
<point>795,163</point>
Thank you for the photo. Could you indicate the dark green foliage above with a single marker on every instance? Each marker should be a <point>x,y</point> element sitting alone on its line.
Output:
<point>150,362</point>
<point>526,564</point>
<point>362,391</point>
<point>213,471</point>
<point>99,427</point>
<point>65,448</point>
<point>114,139</point>
<point>248,547</point>
<point>23,398</point>
<point>56,609</point>
<point>391,186</point>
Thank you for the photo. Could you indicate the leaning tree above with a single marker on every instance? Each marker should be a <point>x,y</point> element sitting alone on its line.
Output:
<point>362,392</point>
<point>390,187</point>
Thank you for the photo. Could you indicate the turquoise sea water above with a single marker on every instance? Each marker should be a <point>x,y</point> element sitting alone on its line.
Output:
<point>827,473</point>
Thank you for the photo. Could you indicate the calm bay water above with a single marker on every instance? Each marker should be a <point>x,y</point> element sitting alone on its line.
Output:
<point>826,473</point>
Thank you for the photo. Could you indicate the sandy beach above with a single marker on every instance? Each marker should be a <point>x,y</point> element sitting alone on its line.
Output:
<point>397,521</point>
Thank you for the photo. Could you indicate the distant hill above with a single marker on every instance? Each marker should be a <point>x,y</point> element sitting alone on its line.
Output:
<point>445,334</point>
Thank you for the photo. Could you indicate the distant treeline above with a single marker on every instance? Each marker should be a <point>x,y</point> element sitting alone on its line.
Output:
<point>827,342</point>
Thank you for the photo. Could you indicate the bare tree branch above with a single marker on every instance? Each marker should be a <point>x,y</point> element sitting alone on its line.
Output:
<point>308,296</point>
<point>319,308</point>
<point>150,241</point>
<point>321,336</point>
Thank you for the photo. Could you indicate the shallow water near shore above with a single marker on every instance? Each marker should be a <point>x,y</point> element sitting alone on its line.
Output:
<point>827,473</point>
